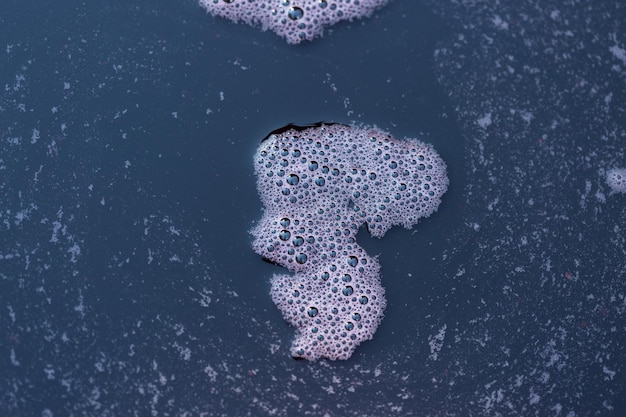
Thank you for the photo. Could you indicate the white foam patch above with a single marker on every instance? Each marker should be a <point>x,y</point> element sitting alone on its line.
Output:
<point>296,21</point>
<point>616,179</point>
<point>319,185</point>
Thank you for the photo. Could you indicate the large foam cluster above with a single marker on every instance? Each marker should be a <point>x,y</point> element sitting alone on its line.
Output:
<point>294,20</point>
<point>319,185</point>
<point>616,179</point>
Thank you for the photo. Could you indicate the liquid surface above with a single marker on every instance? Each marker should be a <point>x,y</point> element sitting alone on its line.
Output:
<point>127,281</point>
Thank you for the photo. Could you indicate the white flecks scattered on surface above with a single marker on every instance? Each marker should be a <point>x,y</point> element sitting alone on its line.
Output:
<point>80,307</point>
<point>533,398</point>
<point>610,374</point>
<point>619,53</point>
<point>499,23</point>
<point>484,121</point>
<point>212,373</point>
<point>11,314</point>
<point>237,63</point>
<point>36,135</point>
<point>183,351</point>
<point>13,357</point>
<point>205,296</point>
<point>74,252</point>
<point>436,342</point>
<point>15,140</point>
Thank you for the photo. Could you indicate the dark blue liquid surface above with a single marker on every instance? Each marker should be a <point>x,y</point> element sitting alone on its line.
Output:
<point>127,282</point>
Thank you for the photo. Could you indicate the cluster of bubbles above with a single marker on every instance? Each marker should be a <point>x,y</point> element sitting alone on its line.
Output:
<point>294,20</point>
<point>319,184</point>
<point>616,179</point>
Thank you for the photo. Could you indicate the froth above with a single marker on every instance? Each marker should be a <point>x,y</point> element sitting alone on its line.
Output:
<point>616,179</point>
<point>295,21</point>
<point>319,185</point>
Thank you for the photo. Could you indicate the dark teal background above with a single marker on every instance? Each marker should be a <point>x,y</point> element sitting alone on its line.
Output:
<point>127,282</point>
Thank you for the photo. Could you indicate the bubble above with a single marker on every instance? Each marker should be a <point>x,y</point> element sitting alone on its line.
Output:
<point>320,181</point>
<point>284,222</point>
<point>353,261</point>
<point>349,326</point>
<point>348,290</point>
<point>295,13</point>
<point>284,235</point>
<point>312,312</point>
<point>363,299</point>
<point>313,165</point>
<point>298,241</point>
<point>293,179</point>
<point>301,258</point>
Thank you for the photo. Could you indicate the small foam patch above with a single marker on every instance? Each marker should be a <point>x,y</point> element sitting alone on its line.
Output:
<point>294,20</point>
<point>616,179</point>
